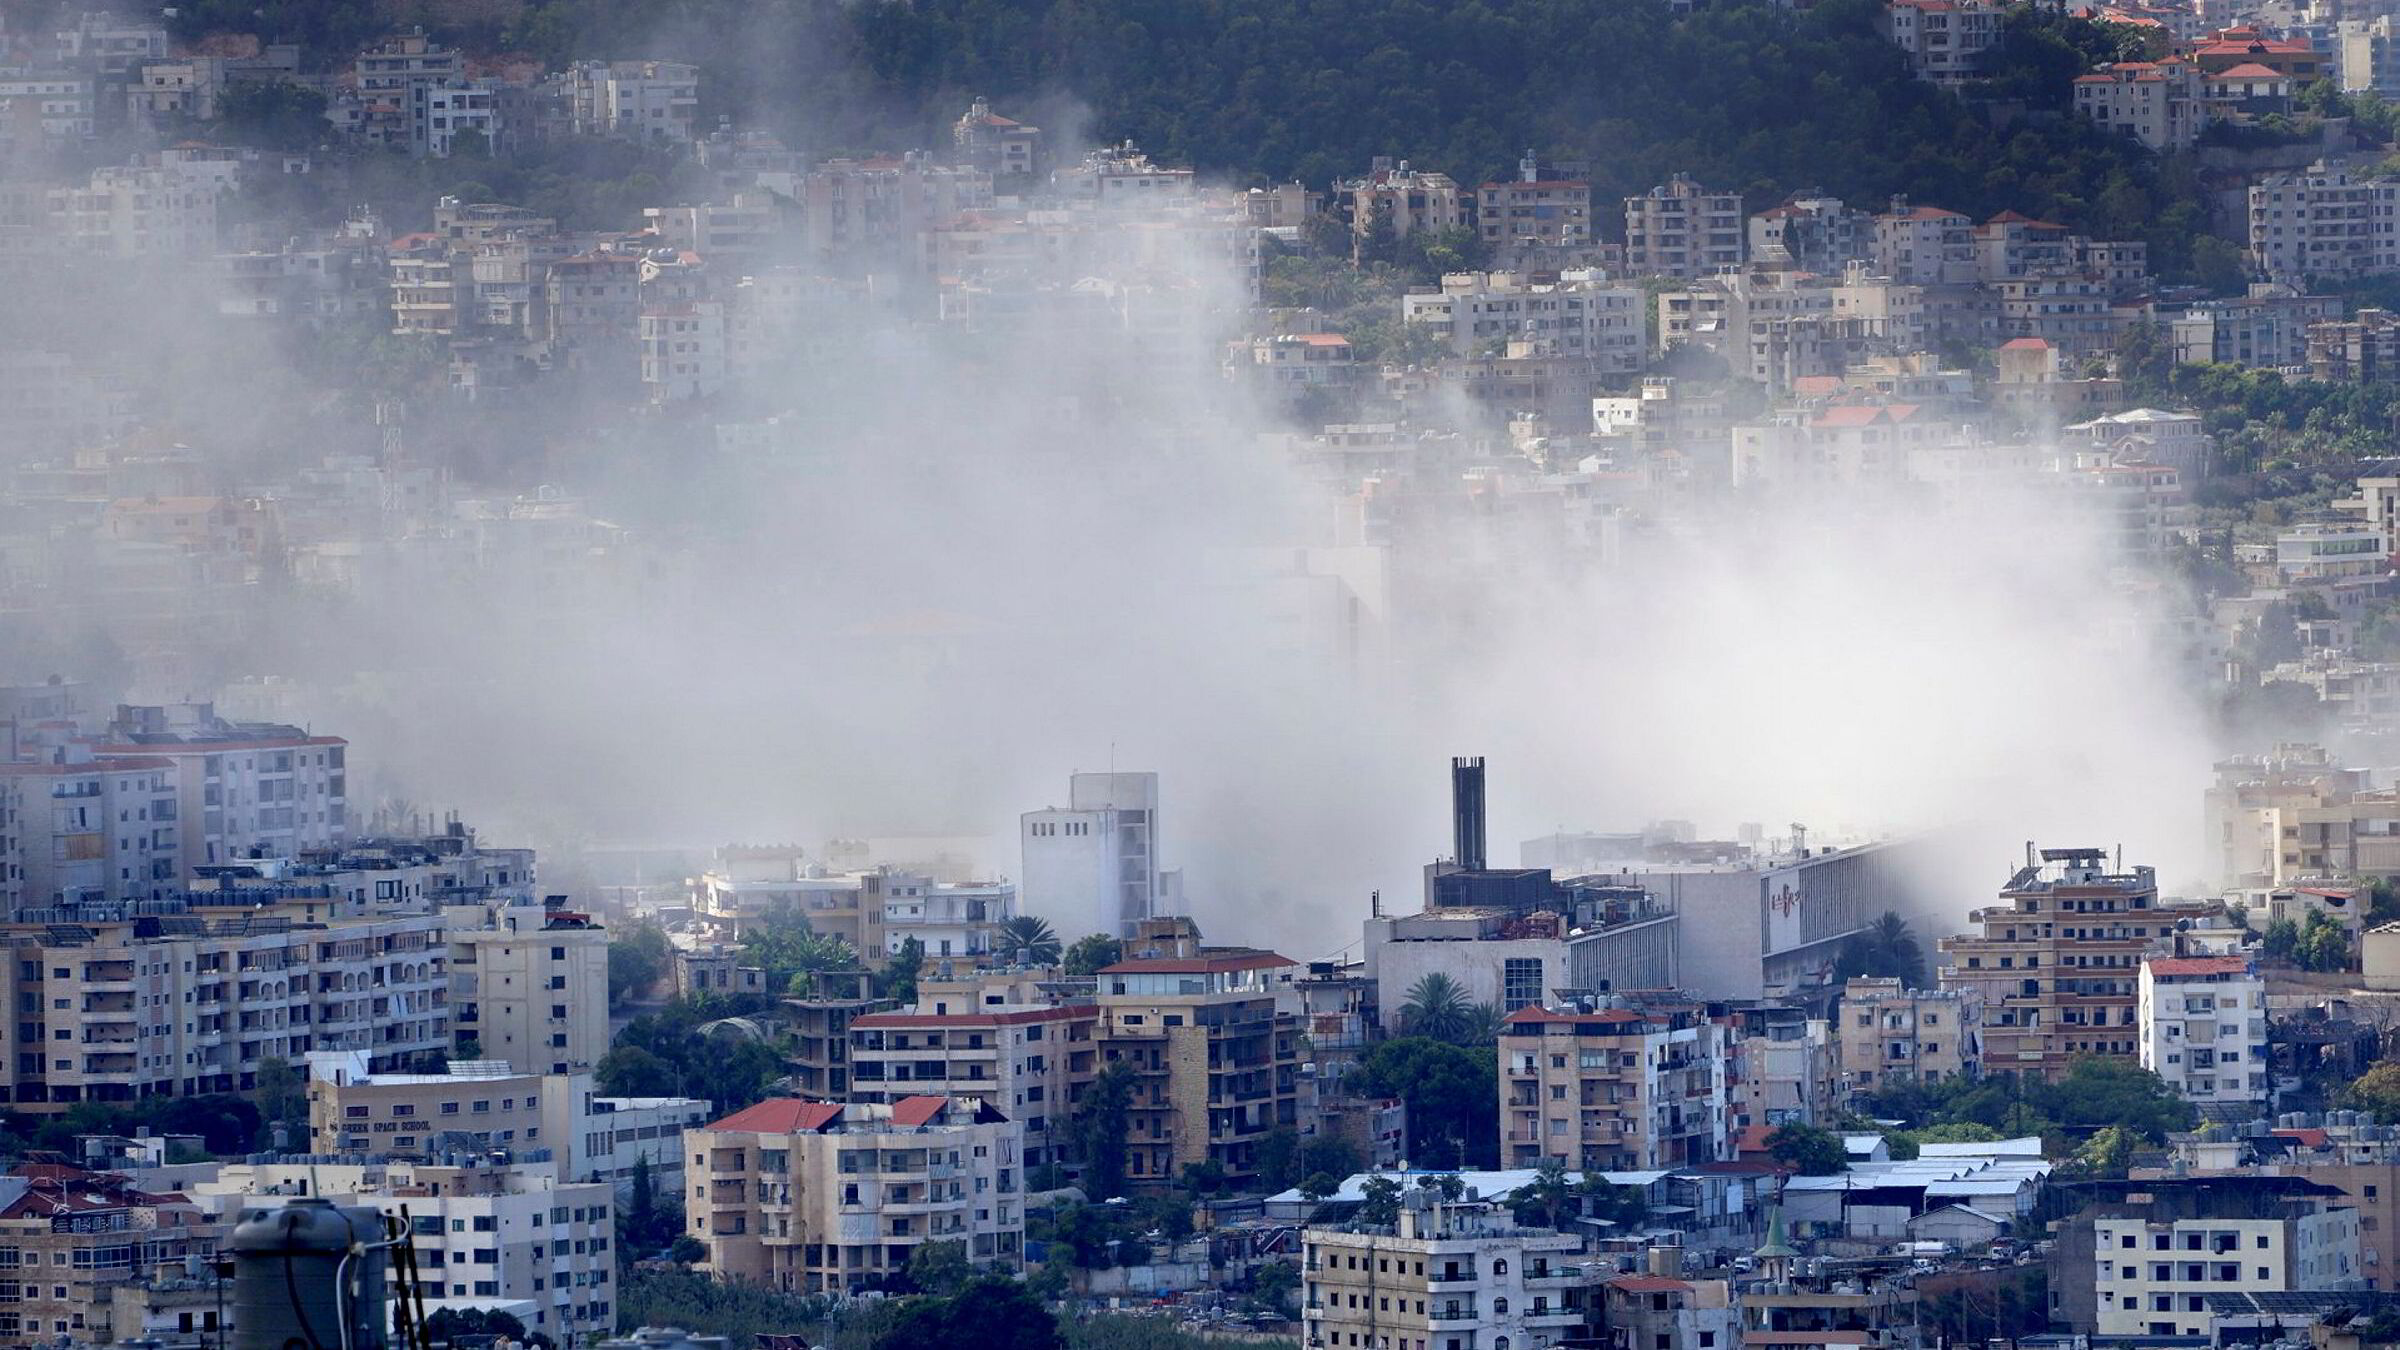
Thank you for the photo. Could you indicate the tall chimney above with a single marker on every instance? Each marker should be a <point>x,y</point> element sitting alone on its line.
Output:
<point>1466,812</point>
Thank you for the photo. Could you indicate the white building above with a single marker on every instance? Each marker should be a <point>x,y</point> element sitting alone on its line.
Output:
<point>2204,1027</point>
<point>1092,865</point>
<point>2175,440</point>
<point>2318,551</point>
<point>1448,1274</point>
<point>2322,223</point>
<point>244,789</point>
<point>529,985</point>
<point>440,113</point>
<point>508,1236</point>
<point>1944,39</point>
<point>646,1129</point>
<point>2153,1276</point>
<point>1580,314</point>
<point>683,350</point>
<point>136,212</point>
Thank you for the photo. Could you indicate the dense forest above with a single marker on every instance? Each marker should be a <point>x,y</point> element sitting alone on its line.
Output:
<point>1746,96</point>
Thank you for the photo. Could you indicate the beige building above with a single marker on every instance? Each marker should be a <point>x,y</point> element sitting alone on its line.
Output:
<point>1449,1275</point>
<point>823,1197</point>
<point>1945,39</point>
<point>2156,102</point>
<point>1410,199</point>
<point>409,1115</point>
<point>2056,962</point>
<point>1887,1034</point>
<point>193,1000</point>
<point>529,986</point>
<point>1029,1063</point>
<point>1681,229</point>
<point>1617,1088</point>
<point>1212,1040</point>
<point>75,1245</point>
<point>2247,807</point>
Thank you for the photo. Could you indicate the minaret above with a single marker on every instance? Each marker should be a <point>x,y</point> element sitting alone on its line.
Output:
<point>1775,1255</point>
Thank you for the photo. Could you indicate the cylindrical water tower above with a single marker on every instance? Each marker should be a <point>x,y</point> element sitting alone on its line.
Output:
<point>309,1276</point>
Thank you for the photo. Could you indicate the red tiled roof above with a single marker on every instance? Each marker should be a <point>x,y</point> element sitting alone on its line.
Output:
<point>2197,965</point>
<point>915,1111</point>
<point>780,1115</point>
<point>2025,345</point>
<point>2249,70</point>
<point>2309,1136</point>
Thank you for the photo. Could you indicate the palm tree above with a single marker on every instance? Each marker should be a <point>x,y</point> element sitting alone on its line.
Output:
<point>1027,940</point>
<point>1886,949</point>
<point>1437,1007</point>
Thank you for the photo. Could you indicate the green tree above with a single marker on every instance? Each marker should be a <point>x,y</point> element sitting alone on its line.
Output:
<point>993,1313</point>
<point>940,1267</point>
<point>1097,1130</point>
<point>1546,1200</point>
<point>1026,940</point>
<point>277,115</point>
<point>1888,949</point>
<point>1380,1203</point>
<point>792,954</point>
<point>2377,1091</point>
<point>687,1251</point>
<point>1332,1154</point>
<point>2108,1152</point>
<point>1092,952</point>
<point>1437,1006</point>
<point>1452,1095</point>
<point>900,974</point>
<point>280,1094</point>
<point>1810,1151</point>
<point>2282,940</point>
<point>1279,1159</point>
<point>631,1071</point>
<point>639,956</point>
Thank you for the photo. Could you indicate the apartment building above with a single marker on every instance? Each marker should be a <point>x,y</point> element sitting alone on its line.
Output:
<point>352,1110</point>
<point>2159,103</point>
<point>1448,1275</point>
<point>2153,1272</point>
<point>1211,1037</point>
<point>1642,1085</point>
<point>1813,233</point>
<point>2204,1028</point>
<point>1783,1067</point>
<point>2369,53</point>
<point>1408,198</point>
<point>1532,212</point>
<point>2268,327</point>
<point>1925,245</point>
<point>653,101</point>
<point>244,789</point>
<point>189,999</point>
<point>387,77</point>
<point>2323,223</point>
<point>1029,1063</point>
<point>823,1197</point>
<point>1663,1309</point>
<point>643,1130</point>
<point>135,212</point>
<point>78,831</point>
<point>529,985</point>
<point>71,1241</point>
<point>55,105</point>
<point>2055,964</point>
<point>1579,312</point>
<point>1889,1034</point>
<point>1681,229</point>
<point>491,1230</point>
<point>1945,39</point>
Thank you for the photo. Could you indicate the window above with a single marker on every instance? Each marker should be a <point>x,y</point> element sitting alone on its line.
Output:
<point>1521,983</point>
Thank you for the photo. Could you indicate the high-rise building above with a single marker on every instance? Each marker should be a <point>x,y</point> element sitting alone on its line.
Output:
<point>1681,229</point>
<point>1092,866</point>
<point>2056,962</point>
<point>1030,1063</point>
<point>244,789</point>
<point>529,985</point>
<point>1212,1039</point>
<point>1889,1034</point>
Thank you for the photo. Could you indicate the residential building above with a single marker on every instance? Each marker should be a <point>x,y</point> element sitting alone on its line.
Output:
<point>1531,212</point>
<point>1813,233</point>
<point>2295,59</point>
<point>2175,439</point>
<point>816,1031</point>
<point>54,105</point>
<point>1945,39</point>
<point>499,1230</point>
<point>2270,327</point>
<point>1925,245</point>
<point>187,999</point>
<point>136,211</point>
<point>74,1240</point>
<point>1029,1063</point>
<point>2243,812</point>
<point>1006,149</point>
<point>650,101</point>
<point>2370,56</point>
<point>1403,198</point>
<point>1212,1039</point>
<point>2158,103</point>
<point>243,789</point>
<point>421,1115</point>
<point>388,77</point>
<point>2323,223</point>
<point>823,1197</point>
<point>682,350</point>
<point>2204,1028</point>
<point>1681,229</point>
<point>529,986</point>
<point>2326,551</point>
<point>81,831</point>
<point>1638,1084</point>
<point>644,1130</point>
<point>2157,1254</point>
<point>2364,347</point>
<point>1887,1034</point>
<point>2055,963</point>
<point>1092,865</point>
<point>1663,1309</point>
<point>1580,313</point>
<point>108,44</point>
<point>1523,944</point>
<point>1447,1275</point>
<point>439,114</point>
<point>1786,1067</point>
